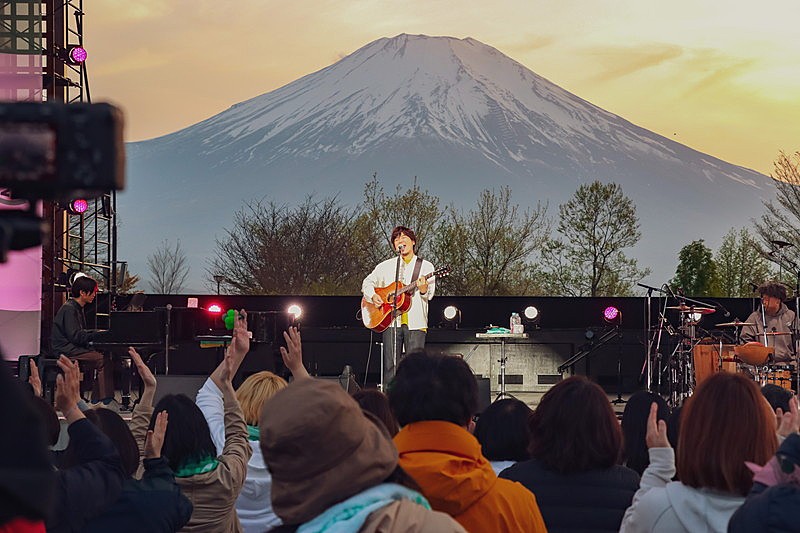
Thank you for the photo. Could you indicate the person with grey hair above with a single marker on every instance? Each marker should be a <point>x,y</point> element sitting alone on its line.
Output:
<point>773,323</point>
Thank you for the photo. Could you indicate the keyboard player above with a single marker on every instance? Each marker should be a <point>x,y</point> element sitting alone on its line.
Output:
<point>71,337</point>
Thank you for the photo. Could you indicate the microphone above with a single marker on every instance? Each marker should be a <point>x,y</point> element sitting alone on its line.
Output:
<point>753,286</point>
<point>401,248</point>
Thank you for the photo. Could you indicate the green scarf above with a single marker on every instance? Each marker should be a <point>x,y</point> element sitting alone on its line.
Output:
<point>253,433</point>
<point>200,467</point>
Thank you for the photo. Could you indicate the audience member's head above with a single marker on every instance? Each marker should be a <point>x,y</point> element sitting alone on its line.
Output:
<point>634,428</point>
<point>188,439</point>
<point>574,428</point>
<point>321,448</point>
<point>118,432</point>
<point>777,396</point>
<point>433,387</point>
<point>256,390</point>
<point>377,403</point>
<point>48,418</point>
<point>724,423</point>
<point>502,429</point>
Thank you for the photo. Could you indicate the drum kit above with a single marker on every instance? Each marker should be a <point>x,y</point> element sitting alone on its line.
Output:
<point>698,354</point>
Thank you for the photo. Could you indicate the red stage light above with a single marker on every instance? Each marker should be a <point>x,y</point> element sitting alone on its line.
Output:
<point>214,309</point>
<point>77,207</point>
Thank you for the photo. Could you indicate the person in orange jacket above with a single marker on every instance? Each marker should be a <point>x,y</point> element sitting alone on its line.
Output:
<point>434,398</point>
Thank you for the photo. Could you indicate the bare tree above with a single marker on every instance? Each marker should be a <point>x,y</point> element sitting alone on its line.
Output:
<point>413,207</point>
<point>594,228</point>
<point>490,249</point>
<point>314,248</point>
<point>781,222</point>
<point>168,268</point>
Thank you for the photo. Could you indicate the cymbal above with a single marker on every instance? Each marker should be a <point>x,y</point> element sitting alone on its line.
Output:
<point>768,333</point>
<point>693,309</point>
<point>736,323</point>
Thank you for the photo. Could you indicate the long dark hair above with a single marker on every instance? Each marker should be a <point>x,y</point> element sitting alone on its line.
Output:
<point>117,430</point>
<point>188,438</point>
<point>634,427</point>
<point>574,428</point>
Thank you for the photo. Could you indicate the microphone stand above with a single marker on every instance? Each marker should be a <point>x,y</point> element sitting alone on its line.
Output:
<point>647,368</point>
<point>394,315</point>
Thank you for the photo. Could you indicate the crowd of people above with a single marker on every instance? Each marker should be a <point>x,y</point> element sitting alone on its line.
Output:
<point>306,456</point>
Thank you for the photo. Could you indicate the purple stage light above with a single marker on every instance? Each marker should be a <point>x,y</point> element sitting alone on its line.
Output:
<point>77,54</point>
<point>76,207</point>
<point>610,313</point>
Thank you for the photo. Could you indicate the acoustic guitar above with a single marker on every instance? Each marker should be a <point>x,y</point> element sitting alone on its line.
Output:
<point>379,317</point>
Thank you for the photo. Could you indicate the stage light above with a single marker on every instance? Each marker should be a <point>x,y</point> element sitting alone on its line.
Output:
<point>531,313</point>
<point>295,310</point>
<point>76,54</point>
<point>452,317</point>
<point>214,309</point>
<point>611,314</point>
<point>77,206</point>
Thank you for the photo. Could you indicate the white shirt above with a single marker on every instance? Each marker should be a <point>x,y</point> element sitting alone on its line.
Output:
<point>383,275</point>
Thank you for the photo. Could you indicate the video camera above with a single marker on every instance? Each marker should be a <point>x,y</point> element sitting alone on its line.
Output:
<point>58,152</point>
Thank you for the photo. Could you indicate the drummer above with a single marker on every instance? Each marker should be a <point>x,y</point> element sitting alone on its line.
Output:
<point>779,320</point>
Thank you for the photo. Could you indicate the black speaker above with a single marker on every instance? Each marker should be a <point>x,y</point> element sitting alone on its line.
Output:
<point>484,393</point>
<point>188,385</point>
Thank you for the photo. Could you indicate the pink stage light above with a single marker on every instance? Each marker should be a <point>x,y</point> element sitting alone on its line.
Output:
<point>610,313</point>
<point>77,54</point>
<point>214,309</point>
<point>76,207</point>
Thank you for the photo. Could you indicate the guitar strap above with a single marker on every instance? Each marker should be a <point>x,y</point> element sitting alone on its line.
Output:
<point>417,268</point>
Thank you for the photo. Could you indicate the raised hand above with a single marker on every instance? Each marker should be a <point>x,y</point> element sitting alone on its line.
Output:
<point>33,379</point>
<point>789,423</point>
<point>293,357</point>
<point>656,430</point>
<point>145,374</point>
<point>155,437</point>
<point>240,341</point>
<point>68,389</point>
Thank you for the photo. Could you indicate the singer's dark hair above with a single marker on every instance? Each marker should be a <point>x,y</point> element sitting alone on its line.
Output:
<point>774,289</point>
<point>399,230</point>
<point>82,284</point>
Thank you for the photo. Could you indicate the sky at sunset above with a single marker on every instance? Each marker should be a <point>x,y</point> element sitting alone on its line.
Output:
<point>720,76</point>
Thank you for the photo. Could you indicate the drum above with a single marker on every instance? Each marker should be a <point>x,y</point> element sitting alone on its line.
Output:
<point>754,353</point>
<point>780,376</point>
<point>707,361</point>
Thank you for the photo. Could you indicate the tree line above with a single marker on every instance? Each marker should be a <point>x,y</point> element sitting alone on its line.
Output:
<point>324,247</point>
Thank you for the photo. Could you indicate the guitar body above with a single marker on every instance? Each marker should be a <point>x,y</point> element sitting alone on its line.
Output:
<point>378,318</point>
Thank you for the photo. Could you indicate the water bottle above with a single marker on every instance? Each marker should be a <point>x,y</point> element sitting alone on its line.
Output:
<point>516,323</point>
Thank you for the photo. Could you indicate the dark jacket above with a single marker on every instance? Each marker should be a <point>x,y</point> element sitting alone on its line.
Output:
<point>585,501</point>
<point>69,335</point>
<point>153,503</point>
<point>774,508</point>
<point>84,490</point>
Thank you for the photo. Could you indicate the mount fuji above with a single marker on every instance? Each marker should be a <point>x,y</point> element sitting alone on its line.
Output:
<point>457,114</point>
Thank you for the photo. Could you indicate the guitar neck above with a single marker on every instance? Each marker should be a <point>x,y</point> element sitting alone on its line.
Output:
<point>413,285</point>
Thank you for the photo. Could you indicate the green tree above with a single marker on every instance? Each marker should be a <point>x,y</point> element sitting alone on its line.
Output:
<point>587,257</point>
<point>739,262</point>
<point>696,274</point>
<point>781,221</point>
<point>274,249</point>
<point>490,249</point>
